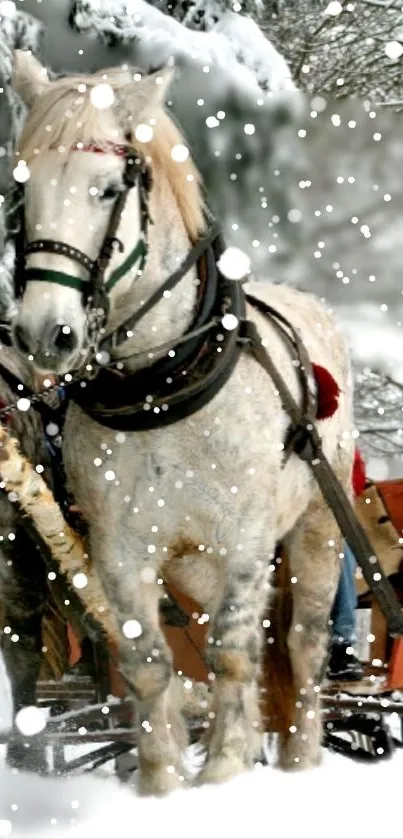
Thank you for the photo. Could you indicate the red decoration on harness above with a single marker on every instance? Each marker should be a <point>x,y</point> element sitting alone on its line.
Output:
<point>111,148</point>
<point>359,474</point>
<point>327,392</point>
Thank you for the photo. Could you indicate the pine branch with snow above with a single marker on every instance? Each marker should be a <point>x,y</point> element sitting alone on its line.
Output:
<point>211,32</point>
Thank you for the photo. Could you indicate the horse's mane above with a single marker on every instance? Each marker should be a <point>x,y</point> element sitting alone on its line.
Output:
<point>65,115</point>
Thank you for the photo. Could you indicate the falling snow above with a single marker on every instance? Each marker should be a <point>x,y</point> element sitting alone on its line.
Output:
<point>80,580</point>
<point>144,133</point>
<point>334,8</point>
<point>21,172</point>
<point>394,50</point>
<point>132,629</point>
<point>102,96</point>
<point>234,264</point>
<point>30,720</point>
<point>23,404</point>
<point>179,153</point>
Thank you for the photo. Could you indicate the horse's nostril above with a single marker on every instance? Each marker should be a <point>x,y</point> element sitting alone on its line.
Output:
<point>21,338</point>
<point>64,339</point>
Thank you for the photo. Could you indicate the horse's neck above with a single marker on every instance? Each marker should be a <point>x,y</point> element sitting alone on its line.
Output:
<point>171,316</point>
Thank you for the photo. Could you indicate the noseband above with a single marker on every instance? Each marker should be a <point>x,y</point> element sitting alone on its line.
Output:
<point>94,288</point>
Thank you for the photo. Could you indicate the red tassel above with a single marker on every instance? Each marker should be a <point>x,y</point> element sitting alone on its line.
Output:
<point>327,392</point>
<point>359,475</point>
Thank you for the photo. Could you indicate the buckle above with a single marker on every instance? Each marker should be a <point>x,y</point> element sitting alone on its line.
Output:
<point>304,440</point>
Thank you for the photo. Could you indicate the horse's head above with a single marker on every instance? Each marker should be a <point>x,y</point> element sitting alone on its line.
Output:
<point>72,158</point>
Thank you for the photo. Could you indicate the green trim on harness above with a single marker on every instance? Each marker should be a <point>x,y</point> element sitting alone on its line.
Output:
<point>138,253</point>
<point>44,275</point>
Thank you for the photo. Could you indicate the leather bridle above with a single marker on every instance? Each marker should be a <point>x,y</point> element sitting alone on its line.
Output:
<point>94,288</point>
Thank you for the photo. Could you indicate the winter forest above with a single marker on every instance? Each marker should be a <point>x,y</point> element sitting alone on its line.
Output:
<point>292,110</point>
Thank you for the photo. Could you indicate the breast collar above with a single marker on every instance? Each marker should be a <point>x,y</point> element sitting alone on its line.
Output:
<point>178,385</point>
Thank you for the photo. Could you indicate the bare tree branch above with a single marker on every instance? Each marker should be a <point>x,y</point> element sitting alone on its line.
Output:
<point>307,35</point>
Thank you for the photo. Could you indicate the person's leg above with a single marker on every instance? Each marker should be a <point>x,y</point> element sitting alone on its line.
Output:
<point>343,612</point>
<point>343,663</point>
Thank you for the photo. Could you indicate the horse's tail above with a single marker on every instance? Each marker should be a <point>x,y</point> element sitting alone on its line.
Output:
<point>278,693</point>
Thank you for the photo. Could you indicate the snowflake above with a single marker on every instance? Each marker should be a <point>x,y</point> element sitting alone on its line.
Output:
<point>30,720</point>
<point>80,580</point>
<point>102,96</point>
<point>132,629</point>
<point>334,8</point>
<point>144,133</point>
<point>7,9</point>
<point>229,322</point>
<point>148,575</point>
<point>179,153</point>
<point>393,50</point>
<point>23,404</point>
<point>234,264</point>
<point>21,172</point>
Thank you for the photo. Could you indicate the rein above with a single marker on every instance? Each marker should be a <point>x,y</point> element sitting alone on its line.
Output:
<point>304,440</point>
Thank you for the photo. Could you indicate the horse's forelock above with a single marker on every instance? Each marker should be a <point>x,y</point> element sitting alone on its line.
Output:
<point>65,115</point>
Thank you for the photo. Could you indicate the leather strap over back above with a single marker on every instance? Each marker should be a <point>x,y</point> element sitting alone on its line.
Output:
<point>305,441</point>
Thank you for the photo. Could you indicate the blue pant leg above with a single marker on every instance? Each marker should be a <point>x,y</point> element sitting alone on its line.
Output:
<point>343,612</point>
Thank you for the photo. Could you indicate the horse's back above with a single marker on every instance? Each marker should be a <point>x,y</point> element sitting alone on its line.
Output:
<point>318,328</point>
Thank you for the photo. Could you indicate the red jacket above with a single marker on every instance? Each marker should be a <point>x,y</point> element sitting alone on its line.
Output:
<point>359,475</point>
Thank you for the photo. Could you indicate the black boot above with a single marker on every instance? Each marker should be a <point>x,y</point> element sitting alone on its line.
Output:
<point>344,666</point>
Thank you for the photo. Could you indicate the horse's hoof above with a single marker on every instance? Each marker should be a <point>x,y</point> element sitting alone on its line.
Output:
<point>217,770</point>
<point>159,782</point>
<point>297,761</point>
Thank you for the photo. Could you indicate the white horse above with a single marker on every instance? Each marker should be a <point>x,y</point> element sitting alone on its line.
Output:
<point>203,501</point>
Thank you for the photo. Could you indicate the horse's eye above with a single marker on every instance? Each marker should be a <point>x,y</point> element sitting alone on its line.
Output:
<point>109,193</point>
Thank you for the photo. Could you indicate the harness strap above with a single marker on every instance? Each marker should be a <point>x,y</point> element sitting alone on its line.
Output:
<point>307,444</point>
<point>139,253</point>
<point>60,248</point>
<point>120,334</point>
<point>298,351</point>
<point>45,275</point>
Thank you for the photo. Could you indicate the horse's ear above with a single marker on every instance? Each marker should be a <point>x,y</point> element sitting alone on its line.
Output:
<point>29,78</point>
<point>155,86</point>
<point>143,94</point>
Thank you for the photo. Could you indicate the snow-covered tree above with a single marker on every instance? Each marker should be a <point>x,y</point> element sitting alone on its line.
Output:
<point>379,413</point>
<point>346,48</point>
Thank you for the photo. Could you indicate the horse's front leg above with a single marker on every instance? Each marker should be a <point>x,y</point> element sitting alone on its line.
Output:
<point>145,662</point>
<point>234,740</point>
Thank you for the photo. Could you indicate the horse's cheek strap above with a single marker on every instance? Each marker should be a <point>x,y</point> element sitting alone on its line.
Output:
<point>139,252</point>
<point>58,277</point>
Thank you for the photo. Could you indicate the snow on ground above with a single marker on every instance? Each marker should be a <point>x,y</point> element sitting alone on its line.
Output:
<point>340,799</point>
